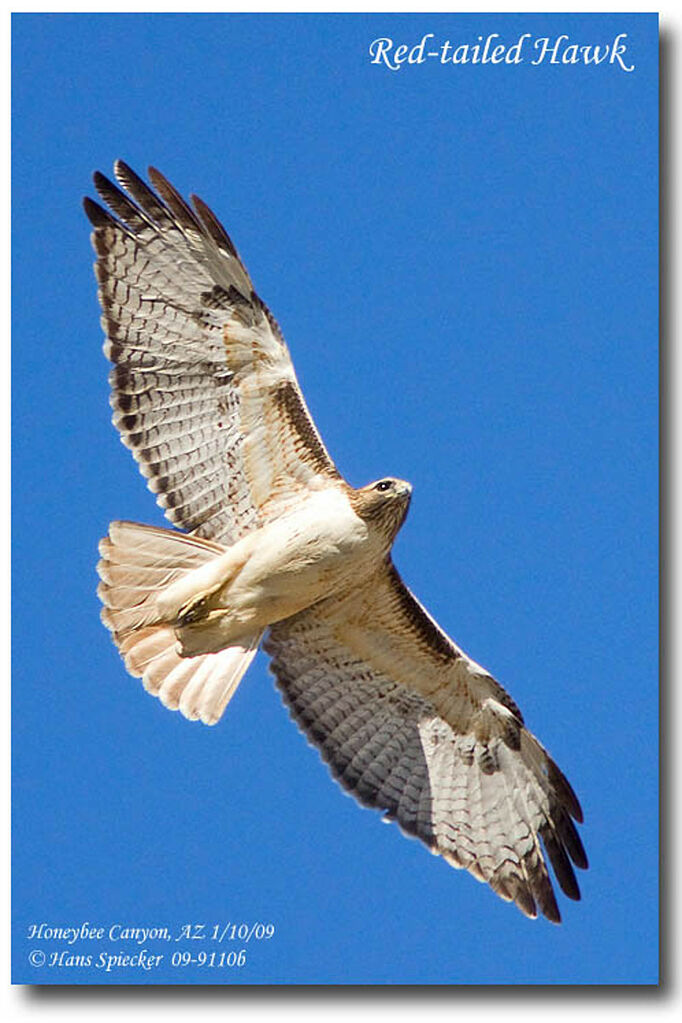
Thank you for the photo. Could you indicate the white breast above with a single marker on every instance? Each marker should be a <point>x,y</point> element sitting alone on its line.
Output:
<point>303,556</point>
<point>281,568</point>
<point>324,528</point>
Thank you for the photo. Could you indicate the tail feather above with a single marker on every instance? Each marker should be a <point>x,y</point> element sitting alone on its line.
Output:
<point>137,564</point>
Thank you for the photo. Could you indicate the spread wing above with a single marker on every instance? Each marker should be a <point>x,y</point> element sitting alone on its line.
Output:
<point>411,726</point>
<point>203,388</point>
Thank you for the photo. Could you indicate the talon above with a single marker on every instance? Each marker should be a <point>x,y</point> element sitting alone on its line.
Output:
<point>193,611</point>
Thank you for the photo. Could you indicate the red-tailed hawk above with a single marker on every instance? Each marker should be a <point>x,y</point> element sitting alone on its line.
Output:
<point>277,543</point>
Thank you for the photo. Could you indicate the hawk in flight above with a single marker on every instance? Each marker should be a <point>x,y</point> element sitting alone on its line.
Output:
<point>275,543</point>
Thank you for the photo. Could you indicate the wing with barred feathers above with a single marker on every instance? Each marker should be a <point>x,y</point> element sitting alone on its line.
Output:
<point>203,388</point>
<point>411,726</point>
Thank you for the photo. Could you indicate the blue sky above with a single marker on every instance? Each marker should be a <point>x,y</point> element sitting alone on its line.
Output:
<point>463,260</point>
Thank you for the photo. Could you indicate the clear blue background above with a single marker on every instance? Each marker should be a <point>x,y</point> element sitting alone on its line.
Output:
<point>464,263</point>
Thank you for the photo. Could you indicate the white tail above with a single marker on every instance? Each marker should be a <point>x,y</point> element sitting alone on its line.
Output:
<point>137,564</point>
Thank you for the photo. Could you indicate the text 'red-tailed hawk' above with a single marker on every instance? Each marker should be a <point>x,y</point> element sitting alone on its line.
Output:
<point>277,543</point>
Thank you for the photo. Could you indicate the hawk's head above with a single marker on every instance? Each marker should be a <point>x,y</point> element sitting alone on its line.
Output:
<point>383,504</point>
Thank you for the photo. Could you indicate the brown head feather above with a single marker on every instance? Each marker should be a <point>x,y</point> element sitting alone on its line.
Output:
<point>383,504</point>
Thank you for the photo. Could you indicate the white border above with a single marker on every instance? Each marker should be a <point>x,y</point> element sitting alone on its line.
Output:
<point>152,1004</point>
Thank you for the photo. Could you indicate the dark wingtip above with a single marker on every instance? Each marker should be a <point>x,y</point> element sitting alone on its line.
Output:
<point>561,863</point>
<point>124,174</point>
<point>158,179</point>
<point>564,790</point>
<point>213,225</point>
<point>148,201</point>
<point>99,180</point>
<point>106,189</point>
<point>97,216</point>
<point>571,839</point>
<point>576,808</point>
<point>550,909</point>
<point>546,898</point>
<point>180,210</point>
<point>525,902</point>
<point>121,167</point>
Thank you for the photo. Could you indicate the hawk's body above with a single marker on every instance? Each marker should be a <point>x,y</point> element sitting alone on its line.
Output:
<point>205,395</point>
<point>321,547</point>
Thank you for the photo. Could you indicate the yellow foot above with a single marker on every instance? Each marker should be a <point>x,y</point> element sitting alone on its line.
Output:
<point>194,610</point>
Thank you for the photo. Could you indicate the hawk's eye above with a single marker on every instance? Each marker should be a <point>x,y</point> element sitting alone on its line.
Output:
<point>384,485</point>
